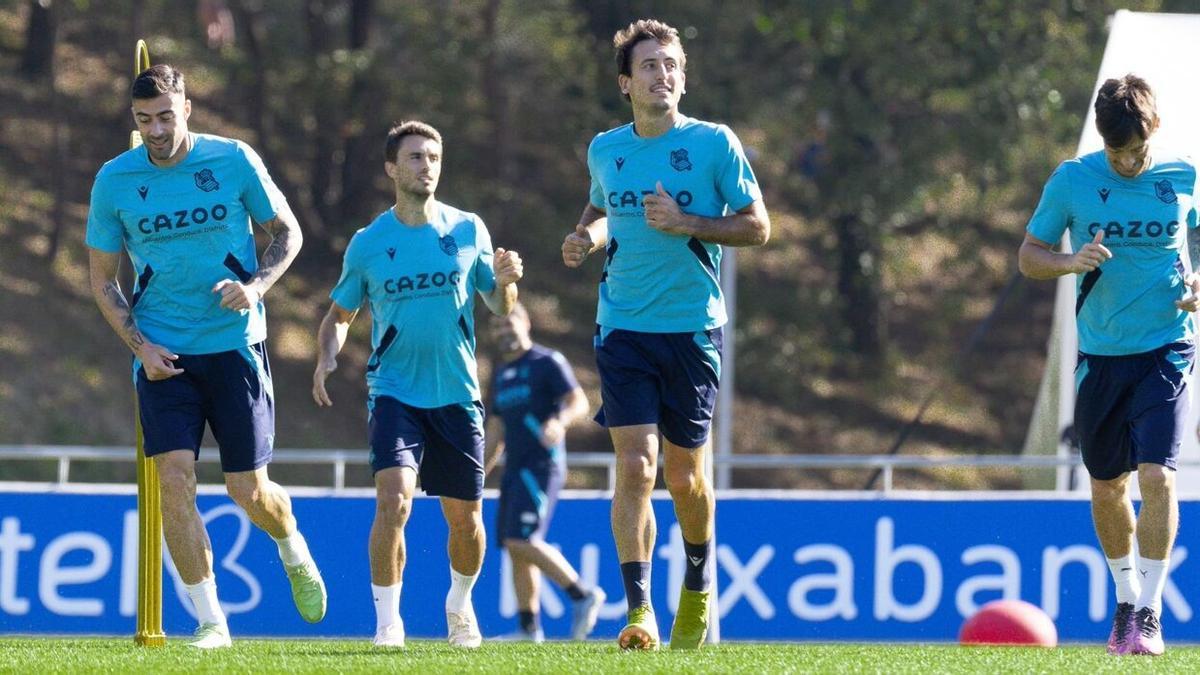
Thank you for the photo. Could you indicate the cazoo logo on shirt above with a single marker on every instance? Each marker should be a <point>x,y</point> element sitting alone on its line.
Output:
<point>633,199</point>
<point>181,219</point>
<point>1134,229</point>
<point>421,282</point>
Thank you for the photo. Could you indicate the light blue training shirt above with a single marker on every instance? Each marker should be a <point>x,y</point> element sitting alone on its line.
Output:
<point>1127,305</point>
<point>187,227</point>
<point>420,282</point>
<point>655,282</point>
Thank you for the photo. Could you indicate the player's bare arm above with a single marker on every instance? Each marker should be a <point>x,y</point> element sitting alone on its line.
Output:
<point>1190,302</point>
<point>493,428</point>
<point>106,290</point>
<point>492,457</point>
<point>1038,259</point>
<point>286,240</point>
<point>331,337</point>
<point>590,235</point>
<point>573,406</point>
<point>509,270</point>
<point>750,226</point>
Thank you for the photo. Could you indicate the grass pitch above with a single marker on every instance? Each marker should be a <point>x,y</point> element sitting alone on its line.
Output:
<point>81,655</point>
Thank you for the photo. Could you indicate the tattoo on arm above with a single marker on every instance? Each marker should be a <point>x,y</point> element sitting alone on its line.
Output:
<point>120,315</point>
<point>276,251</point>
<point>286,240</point>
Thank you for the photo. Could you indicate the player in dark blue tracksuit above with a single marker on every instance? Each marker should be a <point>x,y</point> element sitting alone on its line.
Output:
<point>535,394</point>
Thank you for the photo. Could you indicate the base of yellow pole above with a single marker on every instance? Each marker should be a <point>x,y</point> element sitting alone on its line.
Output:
<point>145,640</point>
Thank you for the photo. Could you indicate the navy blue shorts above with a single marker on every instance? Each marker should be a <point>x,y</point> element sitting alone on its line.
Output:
<point>1131,410</point>
<point>527,499</point>
<point>668,379</point>
<point>231,391</point>
<point>443,445</point>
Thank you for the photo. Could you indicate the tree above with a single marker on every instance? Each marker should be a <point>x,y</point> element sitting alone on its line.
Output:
<point>907,117</point>
<point>358,171</point>
<point>37,66</point>
<point>41,34</point>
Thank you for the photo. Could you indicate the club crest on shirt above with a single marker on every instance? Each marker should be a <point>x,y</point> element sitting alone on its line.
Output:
<point>205,181</point>
<point>1165,191</point>
<point>448,245</point>
<point>680,161</point>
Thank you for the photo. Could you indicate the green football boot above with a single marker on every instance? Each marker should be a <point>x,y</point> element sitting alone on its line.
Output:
<point>691,620</point>
<point>308,590</point>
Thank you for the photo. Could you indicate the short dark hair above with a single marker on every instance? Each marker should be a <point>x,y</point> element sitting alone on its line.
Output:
<point>1125,107</point>
<point>398,131</point>
<point>643,29</point>
<point>156,81</point>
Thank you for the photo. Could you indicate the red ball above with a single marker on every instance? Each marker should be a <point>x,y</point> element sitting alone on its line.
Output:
<point>1009,622</point>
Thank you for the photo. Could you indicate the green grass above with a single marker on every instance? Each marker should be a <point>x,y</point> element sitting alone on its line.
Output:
<point>30,655</point>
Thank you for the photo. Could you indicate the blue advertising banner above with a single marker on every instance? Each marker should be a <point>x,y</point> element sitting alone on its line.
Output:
<point>788,569</point>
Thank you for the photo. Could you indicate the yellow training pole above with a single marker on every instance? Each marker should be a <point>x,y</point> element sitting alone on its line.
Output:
<point>149,608</point>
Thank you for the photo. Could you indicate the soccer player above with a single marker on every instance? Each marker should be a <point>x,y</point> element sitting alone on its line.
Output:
<point>1129,212</point>
<point>536,396</point>
<point>418,266</point>
<point>180,205</point>
<point>667,191</point>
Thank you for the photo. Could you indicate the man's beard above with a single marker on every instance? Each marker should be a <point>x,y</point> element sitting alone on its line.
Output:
<point>162,152</point>
<point>420,190</point>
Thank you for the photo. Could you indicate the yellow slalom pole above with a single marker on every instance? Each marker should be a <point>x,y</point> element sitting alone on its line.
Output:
<point>141,61</point>
<point>149,608</point>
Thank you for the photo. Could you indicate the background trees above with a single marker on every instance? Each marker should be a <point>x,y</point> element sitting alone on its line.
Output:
<point>901,146</point>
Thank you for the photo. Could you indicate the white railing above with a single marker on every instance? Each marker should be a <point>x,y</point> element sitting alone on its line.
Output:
<point>64,455</point>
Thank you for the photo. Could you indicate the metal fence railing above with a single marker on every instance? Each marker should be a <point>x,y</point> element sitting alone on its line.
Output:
<point>65,455</point>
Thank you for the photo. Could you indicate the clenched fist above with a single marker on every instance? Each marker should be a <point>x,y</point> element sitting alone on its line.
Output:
<point>509,268</point>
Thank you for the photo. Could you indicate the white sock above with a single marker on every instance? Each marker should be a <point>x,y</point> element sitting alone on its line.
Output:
<point>204,599</point>
<point>293,550</point>
<point>459,597</point>
<point>1125,578</point>
<point>1154,577</point>
<point>387,604</point>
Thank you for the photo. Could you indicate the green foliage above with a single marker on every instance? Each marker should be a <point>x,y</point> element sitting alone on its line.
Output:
<point>916,120</point>
<point>901,146</point>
